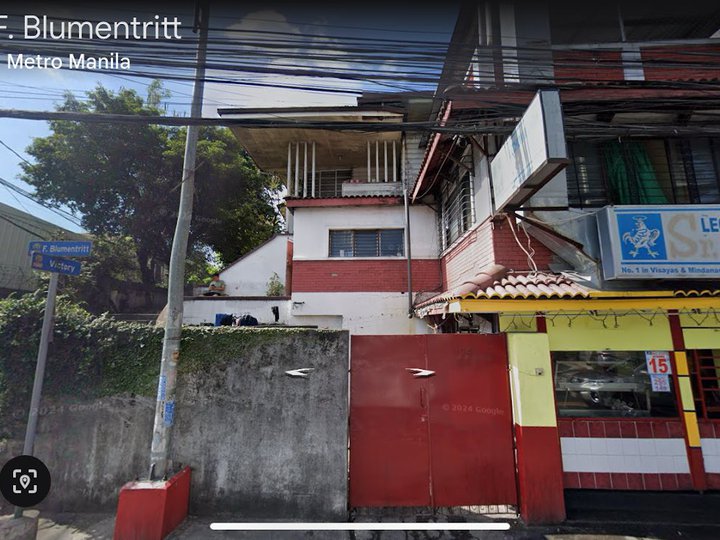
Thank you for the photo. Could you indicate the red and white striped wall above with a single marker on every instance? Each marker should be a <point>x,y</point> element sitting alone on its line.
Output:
<point>624,454</point>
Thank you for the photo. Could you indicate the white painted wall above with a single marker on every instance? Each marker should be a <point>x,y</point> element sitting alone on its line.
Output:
<point>249,275</point>
<point>361,312</point>
<point>312,226</point>
<point>203,310</point>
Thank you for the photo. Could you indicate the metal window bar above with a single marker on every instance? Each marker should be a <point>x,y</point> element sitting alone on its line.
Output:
<point>705,371</point>
<point>714,151</point>
<point>329,182</point>
<point>341,243</point>
<point>457,212</point>
<point>687,170</point>
<point>673,182</point>
<point>367,243</point>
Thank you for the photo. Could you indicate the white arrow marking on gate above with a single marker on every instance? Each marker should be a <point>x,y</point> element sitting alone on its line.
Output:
<point>420,372</point>
<point>302,372</point>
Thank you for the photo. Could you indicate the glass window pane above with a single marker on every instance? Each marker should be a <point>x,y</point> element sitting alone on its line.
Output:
<point>585,176</point>
<point>341,244</point>
<point>704,169</point>
<point>679,172</point>
<point>456,205</point>
<point>608,384</point>
<point>391,243</point>
<point>658,159</point>
<point>366,243</point>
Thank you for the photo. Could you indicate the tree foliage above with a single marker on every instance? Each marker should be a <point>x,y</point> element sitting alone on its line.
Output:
<point>124,179</point>
<point>91,357</point>
<point>112,264</point>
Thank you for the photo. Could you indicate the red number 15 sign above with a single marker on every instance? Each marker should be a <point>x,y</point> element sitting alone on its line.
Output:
<point>658,362</point>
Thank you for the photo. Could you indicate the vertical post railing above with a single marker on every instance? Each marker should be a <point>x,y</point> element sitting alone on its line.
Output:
<point>297,169</point>
<point>313,169</point>
<point>289,170</point>
<point>369,163</point>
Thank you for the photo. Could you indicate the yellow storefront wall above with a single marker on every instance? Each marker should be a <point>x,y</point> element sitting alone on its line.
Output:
<point>531,380</point>
<point>629,332</point>
<point>702,338</point>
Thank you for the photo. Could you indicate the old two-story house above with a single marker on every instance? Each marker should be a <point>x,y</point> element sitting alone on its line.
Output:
<point>345,261</point>
<point>530,278</point>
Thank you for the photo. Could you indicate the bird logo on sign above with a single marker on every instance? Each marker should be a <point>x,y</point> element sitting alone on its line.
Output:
<point>642,237</point>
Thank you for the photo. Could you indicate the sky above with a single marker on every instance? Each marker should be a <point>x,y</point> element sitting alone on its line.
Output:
<point>304,23</point>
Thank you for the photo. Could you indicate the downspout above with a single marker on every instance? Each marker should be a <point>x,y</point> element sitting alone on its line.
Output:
<point>408,251</point>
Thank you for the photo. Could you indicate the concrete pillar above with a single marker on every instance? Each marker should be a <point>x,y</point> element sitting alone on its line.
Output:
<point>539,460</point>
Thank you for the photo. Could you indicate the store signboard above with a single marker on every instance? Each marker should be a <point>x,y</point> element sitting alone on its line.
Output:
<point>659,369</point>
<point>660,242</point>
<point>533,153</point>
<point>658,362</point>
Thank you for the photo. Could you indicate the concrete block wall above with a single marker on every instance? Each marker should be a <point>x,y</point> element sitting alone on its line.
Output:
<point>260,444</point>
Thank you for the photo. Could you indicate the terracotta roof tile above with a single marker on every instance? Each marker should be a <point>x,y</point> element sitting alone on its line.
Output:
<point>535,285</point>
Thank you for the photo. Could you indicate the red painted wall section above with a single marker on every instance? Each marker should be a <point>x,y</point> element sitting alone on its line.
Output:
<point>364,275</point>
<point>627,428</point>
<point>691,62</point>
<point>597,65</point>
<point>510,255</point>
<point>709,429</point>
<point>686,63</point>
<point>289,267</point>
<point>540,475</point>
<point>491,242</point>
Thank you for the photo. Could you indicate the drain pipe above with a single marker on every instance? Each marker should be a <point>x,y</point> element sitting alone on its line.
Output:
<point>408,251</point>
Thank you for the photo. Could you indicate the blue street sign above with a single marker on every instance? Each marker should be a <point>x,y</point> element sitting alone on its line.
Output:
<point>55,264</point>
<point>66,249</point>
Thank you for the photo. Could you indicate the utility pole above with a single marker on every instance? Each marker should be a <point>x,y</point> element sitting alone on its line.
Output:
<point>165,406</point>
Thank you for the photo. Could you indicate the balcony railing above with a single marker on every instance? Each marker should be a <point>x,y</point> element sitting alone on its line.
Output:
<point>378,175</point>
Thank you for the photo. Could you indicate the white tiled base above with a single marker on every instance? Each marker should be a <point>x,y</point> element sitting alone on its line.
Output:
<point>711,454</point>
<point>613,455</point>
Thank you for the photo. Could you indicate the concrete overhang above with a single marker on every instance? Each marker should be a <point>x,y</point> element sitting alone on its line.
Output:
<point>268,145</point>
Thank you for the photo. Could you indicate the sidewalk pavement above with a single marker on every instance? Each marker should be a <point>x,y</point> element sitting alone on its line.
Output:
<point>100,527</point>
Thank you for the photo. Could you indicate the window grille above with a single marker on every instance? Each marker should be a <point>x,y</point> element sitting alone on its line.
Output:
<point>457,210</point>
<point>705,374</point>
<point>330,182</point>
<point>648,171</point>
<point>367,243</point>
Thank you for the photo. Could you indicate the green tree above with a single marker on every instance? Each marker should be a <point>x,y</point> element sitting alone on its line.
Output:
<point>124,179</point>
<point>111,264</point>
<point>234,209</point>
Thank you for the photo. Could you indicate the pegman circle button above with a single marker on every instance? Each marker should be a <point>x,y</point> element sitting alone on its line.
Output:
<point>24,481</point>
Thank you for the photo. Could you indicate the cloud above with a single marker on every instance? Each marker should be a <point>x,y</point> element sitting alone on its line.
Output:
<point>253,28</point>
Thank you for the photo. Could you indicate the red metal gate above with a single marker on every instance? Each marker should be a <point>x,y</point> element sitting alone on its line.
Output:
<point>441,439</point>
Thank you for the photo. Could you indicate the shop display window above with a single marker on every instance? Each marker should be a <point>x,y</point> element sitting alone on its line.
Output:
<point>614,384</point>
